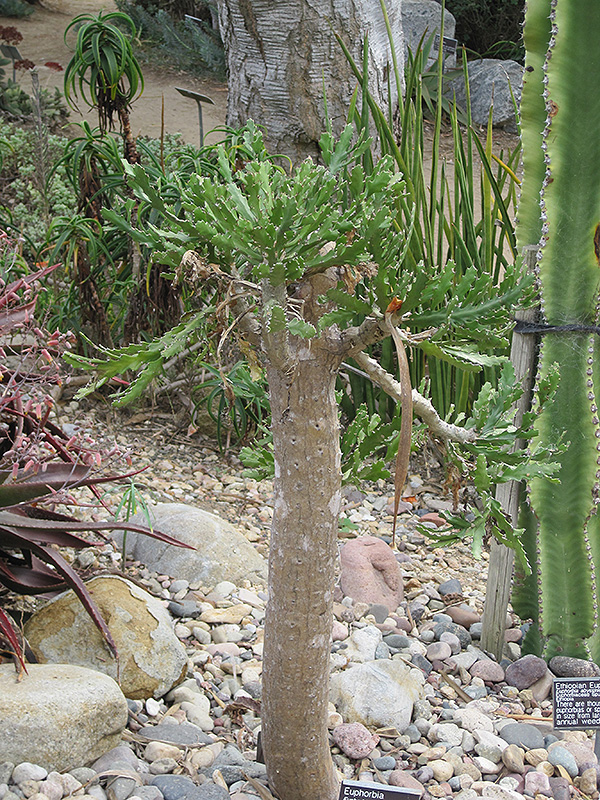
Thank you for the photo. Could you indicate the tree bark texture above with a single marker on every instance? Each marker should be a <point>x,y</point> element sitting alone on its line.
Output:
<point>303,551</point>
<point>284,61</point>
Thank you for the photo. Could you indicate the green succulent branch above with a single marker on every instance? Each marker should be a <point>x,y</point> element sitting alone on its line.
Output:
<point>562,59</point>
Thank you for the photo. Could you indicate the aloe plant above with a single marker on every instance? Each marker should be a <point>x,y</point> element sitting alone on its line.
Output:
<point>39,463</point>
<point>564,65</point>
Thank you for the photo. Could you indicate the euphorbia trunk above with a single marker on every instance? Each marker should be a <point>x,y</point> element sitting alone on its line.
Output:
<point>302,557</point>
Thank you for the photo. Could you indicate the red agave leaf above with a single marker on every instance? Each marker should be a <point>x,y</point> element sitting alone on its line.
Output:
<point>7,630</point>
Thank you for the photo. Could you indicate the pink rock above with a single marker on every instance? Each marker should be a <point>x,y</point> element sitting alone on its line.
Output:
<point>433,516</point>
<point>370,572</point>
<point>513,635</point>
<point>487,670</point>
<point>438,651</point>
<point>463,615</point>
<point>525,671</point>
<point>354,740</point>
<point>400,777</point>
<point>537,783</point>
<point>224,649</point>
<point>339,631</point>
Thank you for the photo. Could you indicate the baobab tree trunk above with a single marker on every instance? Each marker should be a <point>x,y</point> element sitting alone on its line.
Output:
<point>302,557</point>
<point>282,55</point>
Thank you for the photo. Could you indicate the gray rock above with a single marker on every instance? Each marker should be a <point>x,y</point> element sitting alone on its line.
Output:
<point>567,667</point>
<point>211,791</point>
<point>149,793</point>
<point>380,612</point>
<point>120,788</point>
<point>220,552</point>
<point>184,608</point>
<point>382,650</point>
<point>451,627</point>
<point>396,641</point>
<point>151,658</point>
<point>421,663</point>
<point>524,672</point>
<point>522,734</point>
<point>560,756</point>
<point>413,733</point>
<point>174,787</point>
<point>490,80</point>
<point>384,762</point>
<point>185,733</point>
<point>378,694</point>
<point>476,630</point>
<point>59,716</point>
<point>6,770</point>
<point>83,774</point>
<point>452,586</point>
<point>229,756</point>
<point>424,17</point>
<point>560,788</point>
<point>121,757</point>
<point>232,773</point>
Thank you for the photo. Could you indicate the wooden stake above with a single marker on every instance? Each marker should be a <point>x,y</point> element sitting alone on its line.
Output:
<point>523,356</point>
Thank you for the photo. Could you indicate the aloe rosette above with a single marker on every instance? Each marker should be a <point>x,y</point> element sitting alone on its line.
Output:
<point>565,512</point>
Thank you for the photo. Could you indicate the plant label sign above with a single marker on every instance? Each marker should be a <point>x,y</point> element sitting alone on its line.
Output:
<point>359,790</point>
<point>576,703</point>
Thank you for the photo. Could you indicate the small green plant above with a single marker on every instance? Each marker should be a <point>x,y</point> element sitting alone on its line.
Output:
<point>131,502</point>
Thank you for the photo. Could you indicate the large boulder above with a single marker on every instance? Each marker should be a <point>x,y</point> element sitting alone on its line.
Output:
<point>59,716</point>
<point>423,18</point>
<point>370,573</point>
<point>151,658</point>
<point>221,553</point>
<point>491,80</point>
<point>379,694</point>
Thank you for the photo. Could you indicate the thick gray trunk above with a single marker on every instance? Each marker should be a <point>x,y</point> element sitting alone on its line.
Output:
<point>281,54</point>
<point>301,577</point>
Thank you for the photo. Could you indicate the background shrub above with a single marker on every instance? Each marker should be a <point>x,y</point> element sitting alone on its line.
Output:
<point>490,28</point>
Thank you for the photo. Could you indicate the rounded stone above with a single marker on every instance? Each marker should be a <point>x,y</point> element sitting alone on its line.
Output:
<point>512,757</point>
<point>568,667</point>
<point>537,783</point>
<point>588,783</point>
<point>442,770</point>
<point>26,771</point>
<point>487,670</point>
<point>522,734</point>
<point>59,716</point>
<point>403,778</point>
<point>354,740</point>
<point>384,763</point>
<point>560,756</point>
<point>151,658</point>
<point>438,651</point>
<point>157,750</point>
<point>536,755</point>
<point>525,671</point>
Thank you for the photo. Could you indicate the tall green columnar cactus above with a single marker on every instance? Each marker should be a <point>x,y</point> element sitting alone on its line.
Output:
<point>568,527</point>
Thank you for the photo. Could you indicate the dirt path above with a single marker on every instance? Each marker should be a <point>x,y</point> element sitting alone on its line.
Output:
<point>43,41</point>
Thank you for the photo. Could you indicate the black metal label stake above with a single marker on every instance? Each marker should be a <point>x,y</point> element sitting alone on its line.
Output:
<point>576,706</point>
